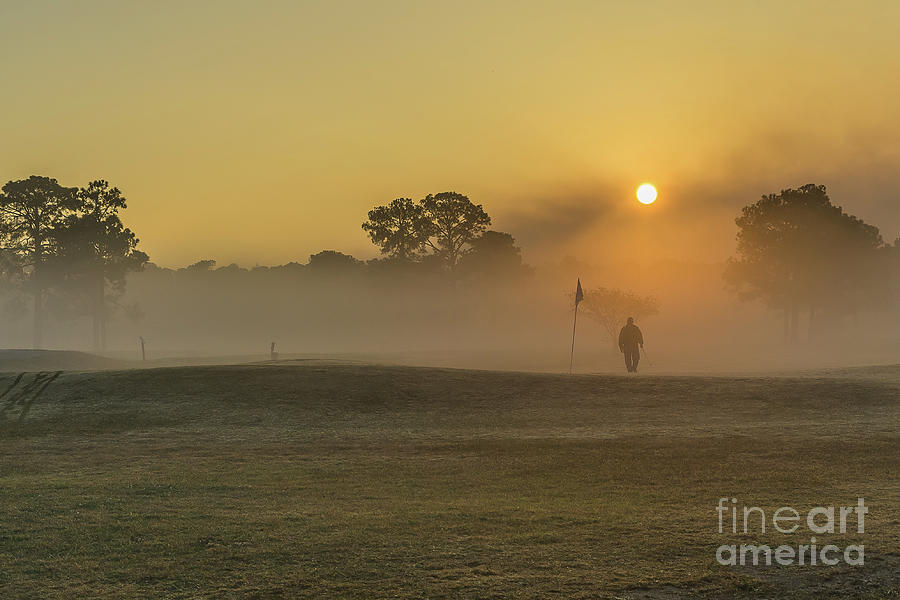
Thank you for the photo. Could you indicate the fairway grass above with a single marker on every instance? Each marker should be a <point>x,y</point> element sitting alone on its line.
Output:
<point>357,481</point>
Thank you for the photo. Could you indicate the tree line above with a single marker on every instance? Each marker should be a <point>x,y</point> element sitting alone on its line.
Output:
<point>67,250</point>
<point>67,246</point>
<point>445,229</point>
<point>798,252</point>
<point>444,234</point>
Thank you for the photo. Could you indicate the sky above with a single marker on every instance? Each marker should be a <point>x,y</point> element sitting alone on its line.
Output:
<point>261,132</point>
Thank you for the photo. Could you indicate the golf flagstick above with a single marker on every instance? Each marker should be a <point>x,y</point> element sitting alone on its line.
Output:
<point>579,296</point>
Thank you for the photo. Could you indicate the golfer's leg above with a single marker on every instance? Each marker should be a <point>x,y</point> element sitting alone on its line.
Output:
<point>635,357</point>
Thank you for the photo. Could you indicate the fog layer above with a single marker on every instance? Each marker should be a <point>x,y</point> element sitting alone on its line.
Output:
<point>519,320</point>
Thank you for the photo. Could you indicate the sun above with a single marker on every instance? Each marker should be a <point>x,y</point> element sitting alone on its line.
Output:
<point>646,194</point>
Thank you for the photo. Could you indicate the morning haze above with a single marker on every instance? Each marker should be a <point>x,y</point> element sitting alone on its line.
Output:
<point>470,299</point>
<point>260,134</point>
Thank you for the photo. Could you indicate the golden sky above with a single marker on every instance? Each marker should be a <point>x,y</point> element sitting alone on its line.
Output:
<point>260,132</point>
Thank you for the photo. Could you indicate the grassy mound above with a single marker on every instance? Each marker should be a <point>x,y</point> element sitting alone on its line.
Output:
<point>277,481</point>
<point>55,360</point>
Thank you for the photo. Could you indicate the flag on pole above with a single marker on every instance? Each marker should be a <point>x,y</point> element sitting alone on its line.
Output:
<point>579,296</point>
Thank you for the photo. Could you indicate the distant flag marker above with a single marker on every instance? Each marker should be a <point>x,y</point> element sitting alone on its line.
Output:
<point>579,296</point>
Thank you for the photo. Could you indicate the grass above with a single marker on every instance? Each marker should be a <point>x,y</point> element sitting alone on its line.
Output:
<point>362,481</point>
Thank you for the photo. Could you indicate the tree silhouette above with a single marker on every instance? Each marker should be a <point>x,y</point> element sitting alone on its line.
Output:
<point>31,210</point>
<point>202,265</point>
<point>96,251</point>
<point>611,307</point>
<point>796,250</point>
<point>446,222</point>
<point>12,277</point>
<point>455,221</point>
<point>494,254</point>
<point>399,229</point>
<point>332,262</point>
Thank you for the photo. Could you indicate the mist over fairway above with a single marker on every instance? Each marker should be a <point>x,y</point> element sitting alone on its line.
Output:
<point>365,481</point>
<point>229,313</point>
<point>360,283</point>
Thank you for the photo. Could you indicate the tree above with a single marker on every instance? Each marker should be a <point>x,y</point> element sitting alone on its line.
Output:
<point>399,229</point>
<point>797,250</point>
<point>12,275</point>
<point>611,307</point>
<point>30,212</point>
<point>447,223</point>
<point>202,265</point>
<point>455,222</point>
<point>96,251</point>
<point>494,254</point>
<point>331,261</point>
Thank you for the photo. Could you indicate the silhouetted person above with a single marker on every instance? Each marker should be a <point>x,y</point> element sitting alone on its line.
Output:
<point>631,340</point>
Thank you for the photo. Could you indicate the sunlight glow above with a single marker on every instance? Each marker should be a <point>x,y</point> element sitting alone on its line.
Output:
<point>646,194</point>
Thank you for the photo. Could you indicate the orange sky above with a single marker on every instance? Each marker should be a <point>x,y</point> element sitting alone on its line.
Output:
<point>262,132</point>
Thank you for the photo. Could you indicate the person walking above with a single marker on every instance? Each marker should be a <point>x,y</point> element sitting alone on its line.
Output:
<point>631,340</point>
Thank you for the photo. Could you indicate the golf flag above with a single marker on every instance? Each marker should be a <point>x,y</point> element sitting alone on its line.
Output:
<point>579,296</point>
